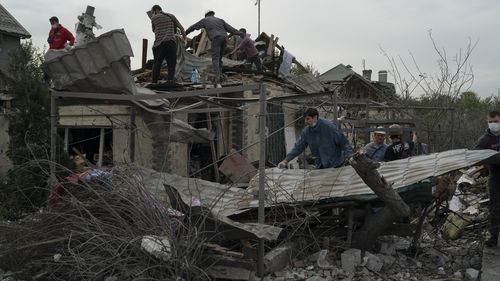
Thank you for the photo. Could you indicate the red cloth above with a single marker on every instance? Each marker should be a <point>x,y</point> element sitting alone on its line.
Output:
<point>58,39</point>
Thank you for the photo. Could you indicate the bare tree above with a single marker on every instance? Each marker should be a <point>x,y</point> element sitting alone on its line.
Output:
<point>440,88</point>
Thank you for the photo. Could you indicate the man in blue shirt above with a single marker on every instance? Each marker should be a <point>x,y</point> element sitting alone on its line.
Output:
<point>327,143</point>
<point>375,150</point>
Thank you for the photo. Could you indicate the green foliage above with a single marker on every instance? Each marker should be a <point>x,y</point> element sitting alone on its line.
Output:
<point>24,188</point>
<point>460,128</point>
<point>309,68</point>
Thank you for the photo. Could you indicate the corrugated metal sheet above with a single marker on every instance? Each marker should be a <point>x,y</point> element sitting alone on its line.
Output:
<point>222,200</point>
<point>291,186</point>
<point>306,82</point>
<point>101,65</point>
<point>8,24</point>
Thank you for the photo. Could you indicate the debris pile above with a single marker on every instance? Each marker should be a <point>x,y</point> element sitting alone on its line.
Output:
<point>104,229</point>
<point>109,225</point>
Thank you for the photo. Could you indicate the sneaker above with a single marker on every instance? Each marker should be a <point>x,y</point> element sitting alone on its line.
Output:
<point>218,86</point>
<point>492,242</point>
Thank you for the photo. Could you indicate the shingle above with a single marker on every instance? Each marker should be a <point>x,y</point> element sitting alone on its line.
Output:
<point>9,25</point>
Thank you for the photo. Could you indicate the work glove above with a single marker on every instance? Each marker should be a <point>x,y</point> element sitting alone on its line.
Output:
<point>282,165</point>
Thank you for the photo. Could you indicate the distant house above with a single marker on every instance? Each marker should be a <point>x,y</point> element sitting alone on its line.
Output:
<point>11,33</point>
<point>359,86</point>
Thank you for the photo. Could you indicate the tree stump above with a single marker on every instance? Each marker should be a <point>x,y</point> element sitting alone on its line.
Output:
<point>395,207</point>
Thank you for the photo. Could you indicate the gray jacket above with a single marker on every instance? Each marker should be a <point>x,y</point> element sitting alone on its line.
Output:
<point>214,27</point>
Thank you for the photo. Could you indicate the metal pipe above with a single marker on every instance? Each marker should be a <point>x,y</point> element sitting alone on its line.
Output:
<point>101,148</point>
<point>144,52</point>
<point>53,138</point>
<point>66,139</point>
<point>262,173</point>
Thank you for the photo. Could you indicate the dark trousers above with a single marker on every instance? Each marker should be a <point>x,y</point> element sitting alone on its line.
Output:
<point>218,46</point>
<point>166,50</point>
<point>255,60</point>
<point>494,205</point>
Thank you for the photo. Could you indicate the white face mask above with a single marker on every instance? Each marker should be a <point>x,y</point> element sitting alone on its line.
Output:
<point>313,125</point>
<point>54,26</point>
<point>494,127</point>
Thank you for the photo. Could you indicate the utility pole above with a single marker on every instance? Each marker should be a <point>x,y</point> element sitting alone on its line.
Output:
<point>258,17</point>
<point>262,173</point>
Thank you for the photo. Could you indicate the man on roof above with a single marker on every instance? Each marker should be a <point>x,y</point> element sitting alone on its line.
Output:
<point>164,47</point>
<point>328,145</point>
<point>59,35</point>
<point>251,52</point>
<point>217,30</point>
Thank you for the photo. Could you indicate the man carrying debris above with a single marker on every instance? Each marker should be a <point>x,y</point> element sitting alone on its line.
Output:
<point>251,52</point>
<point>164,47</point>
<point>328,145</point>
<point>491,140</point>
<point>375,150</point>
<point>398,149</point>
<point>58,35</point>
<point>217,30</point>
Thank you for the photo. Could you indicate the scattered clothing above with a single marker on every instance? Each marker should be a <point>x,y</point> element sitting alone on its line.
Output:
<point>376,152</point>
<point>286,64</point>
<point>58,38</point>
<point>327,143</point>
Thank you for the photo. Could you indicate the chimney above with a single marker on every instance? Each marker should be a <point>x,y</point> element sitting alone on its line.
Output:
<point>367,74</point>
<point>382,76</point>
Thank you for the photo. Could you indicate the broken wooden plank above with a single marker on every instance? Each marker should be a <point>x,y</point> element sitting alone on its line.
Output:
<point>202,44</point>
<point>237,168</point>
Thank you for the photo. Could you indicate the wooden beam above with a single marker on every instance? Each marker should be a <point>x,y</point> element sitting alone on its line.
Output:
<point>203,43</point>
<point>160,95</point>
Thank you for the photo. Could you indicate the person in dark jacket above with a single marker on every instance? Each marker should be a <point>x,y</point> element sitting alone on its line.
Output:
<point>329,147</point>
<point>58,35</point>
<point>398,149</point>
<point>251,52</point>
<point>217,30</point>
<point>491,140</point>
<point>165,47</point>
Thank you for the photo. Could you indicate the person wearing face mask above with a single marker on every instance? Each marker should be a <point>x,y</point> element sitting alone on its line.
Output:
<point>251,52</point>
<point>59,35</point>
<point>491,140</point>
<point>398,149</point>
<point>164,47</point>
<point>328,145</point>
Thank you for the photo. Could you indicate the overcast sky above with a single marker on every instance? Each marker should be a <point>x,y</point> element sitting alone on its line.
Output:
<point>323,33</point>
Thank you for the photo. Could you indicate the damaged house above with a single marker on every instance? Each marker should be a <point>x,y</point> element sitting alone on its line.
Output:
<point>195,148</point>
<point>11,33</point>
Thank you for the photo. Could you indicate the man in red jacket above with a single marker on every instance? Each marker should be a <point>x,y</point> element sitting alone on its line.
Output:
<point>58,35</point>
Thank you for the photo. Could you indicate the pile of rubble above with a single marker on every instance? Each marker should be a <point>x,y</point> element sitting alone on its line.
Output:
<point>132,223</point>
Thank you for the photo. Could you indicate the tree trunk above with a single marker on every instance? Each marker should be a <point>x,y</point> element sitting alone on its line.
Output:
<point>394,208</point>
